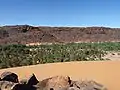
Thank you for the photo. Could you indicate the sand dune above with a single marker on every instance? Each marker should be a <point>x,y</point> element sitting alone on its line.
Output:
<point>104,72</point>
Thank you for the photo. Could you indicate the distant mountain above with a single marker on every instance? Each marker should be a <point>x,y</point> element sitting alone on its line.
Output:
<point>26,34</point>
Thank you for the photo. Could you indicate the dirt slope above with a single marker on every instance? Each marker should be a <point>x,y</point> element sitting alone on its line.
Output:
<point>104,72</point>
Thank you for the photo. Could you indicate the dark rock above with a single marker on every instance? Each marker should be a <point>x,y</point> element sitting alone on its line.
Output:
<point>9,76</point>
<point>23,87</point>
<point>32,80</point>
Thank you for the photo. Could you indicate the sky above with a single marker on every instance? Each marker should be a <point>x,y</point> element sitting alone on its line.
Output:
<point>60,12</point>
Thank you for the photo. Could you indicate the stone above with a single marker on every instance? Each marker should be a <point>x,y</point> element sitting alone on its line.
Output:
<point>87,85</point>
<point>6,85</point>
<point>9,76</point>
<point>54,83</point>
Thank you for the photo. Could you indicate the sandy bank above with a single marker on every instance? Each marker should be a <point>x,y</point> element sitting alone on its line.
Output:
<point>104,72</point>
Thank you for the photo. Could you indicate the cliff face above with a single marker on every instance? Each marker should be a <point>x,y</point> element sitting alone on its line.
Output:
<point>25,34</point>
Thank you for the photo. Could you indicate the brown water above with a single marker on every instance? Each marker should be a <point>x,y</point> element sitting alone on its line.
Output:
<point>104,72</point>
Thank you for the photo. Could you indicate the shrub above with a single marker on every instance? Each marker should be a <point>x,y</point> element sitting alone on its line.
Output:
<point>21,55</point>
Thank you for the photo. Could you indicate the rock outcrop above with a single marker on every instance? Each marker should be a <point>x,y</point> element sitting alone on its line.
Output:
<point>25,34</point>
<point>52,83</point>
<point>65,83</point>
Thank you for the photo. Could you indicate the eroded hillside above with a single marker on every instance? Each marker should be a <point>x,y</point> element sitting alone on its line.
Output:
<point>25,34</point>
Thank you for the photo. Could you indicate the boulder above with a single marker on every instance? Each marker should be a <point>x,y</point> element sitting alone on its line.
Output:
<point>54,83</point>
<point>9,76</point>
<point>32,80</point>
<point>6,85</point>
<point>86,85</point>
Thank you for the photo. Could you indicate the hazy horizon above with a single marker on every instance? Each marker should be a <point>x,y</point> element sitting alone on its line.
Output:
<point>56,25</point>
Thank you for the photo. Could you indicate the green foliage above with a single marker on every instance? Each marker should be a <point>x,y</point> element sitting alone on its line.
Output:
<point>21,55</point>
<point>14,55</point>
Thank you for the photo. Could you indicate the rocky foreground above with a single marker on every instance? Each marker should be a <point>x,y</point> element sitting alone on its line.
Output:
<point>10,81</point>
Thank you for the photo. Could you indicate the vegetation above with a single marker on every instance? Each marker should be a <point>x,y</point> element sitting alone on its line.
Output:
<point>21,55</point>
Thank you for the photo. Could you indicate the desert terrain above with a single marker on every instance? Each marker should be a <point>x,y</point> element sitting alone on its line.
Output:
<point>26,34</point>
<point>104,72</point>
